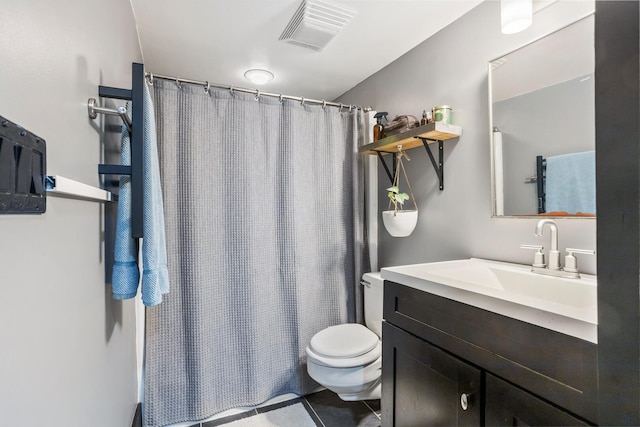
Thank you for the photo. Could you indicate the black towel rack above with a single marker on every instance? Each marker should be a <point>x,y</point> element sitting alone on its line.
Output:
<point>541,181</point>
<point>136,132</point>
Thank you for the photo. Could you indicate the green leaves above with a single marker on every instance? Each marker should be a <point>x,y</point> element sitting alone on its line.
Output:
<point>396,196</point>
<point>401,197</point>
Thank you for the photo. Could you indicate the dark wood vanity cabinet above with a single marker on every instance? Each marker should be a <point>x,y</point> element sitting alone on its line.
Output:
<point>509,406</point>
<point>429,384</point>
<point>446,363</point>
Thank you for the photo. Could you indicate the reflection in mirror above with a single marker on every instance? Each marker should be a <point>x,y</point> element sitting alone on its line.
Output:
<point>543,120</point>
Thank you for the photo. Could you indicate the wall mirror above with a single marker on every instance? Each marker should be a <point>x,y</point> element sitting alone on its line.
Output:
<point>542,100</point>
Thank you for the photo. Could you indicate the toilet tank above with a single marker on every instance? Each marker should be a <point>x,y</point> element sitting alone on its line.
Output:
<point>373,292</point>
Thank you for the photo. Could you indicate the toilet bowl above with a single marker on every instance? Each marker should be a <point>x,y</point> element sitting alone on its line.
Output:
<point>347,358</point>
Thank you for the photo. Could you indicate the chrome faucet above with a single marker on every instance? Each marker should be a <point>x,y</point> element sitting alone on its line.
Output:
<point>554,254</point>
<point>554,267</point>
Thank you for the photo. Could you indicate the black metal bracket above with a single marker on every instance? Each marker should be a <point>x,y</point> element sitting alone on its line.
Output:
<point>390,174</point>
<point>136,96</point>
<point>439,167</point>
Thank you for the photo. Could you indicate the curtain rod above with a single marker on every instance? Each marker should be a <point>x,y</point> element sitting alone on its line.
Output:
<point>258,93</point>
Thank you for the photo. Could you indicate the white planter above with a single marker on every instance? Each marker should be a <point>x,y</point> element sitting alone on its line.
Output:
<point>402,224</point>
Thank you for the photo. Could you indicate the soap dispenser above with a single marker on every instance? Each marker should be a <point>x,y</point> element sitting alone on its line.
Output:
<point>378,128</point>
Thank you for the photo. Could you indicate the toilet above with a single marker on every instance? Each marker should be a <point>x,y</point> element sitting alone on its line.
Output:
<point>347,358</point>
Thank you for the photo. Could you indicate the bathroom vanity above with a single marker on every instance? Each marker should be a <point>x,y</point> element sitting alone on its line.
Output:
<point>455,353</point>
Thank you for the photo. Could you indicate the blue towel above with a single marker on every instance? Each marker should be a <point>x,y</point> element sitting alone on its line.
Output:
<point>126,275</point>
<point>571,183</point>
<point>155,277</point>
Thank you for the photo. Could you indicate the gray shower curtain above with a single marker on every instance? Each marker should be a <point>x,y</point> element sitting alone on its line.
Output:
<point>264,211</point>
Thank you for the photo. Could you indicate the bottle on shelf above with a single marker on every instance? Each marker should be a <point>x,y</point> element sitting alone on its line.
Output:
<point>378,128</point>
<point>424,120</point>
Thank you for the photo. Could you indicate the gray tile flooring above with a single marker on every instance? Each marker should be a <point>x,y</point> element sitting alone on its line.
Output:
<point>325,408</point>
<point>334,412</point>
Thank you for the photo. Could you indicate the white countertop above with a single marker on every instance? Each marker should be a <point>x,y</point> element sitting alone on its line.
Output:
<point>568,306</point>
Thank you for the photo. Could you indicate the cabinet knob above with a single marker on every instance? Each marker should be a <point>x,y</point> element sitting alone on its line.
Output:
<point>465,399</point>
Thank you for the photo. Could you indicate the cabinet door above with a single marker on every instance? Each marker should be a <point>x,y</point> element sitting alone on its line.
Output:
<point>425,386</point>
<point>508,405</point>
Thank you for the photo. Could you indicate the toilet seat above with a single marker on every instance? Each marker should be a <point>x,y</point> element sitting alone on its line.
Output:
<point>344,346</point>
<point>346,340</point>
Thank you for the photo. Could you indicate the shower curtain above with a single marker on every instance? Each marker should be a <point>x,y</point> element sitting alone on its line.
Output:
<point>264,206</point>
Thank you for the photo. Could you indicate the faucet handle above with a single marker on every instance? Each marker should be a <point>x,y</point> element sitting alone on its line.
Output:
<point>538,258</point>
<point>570,262</point>
<point>580,251</point>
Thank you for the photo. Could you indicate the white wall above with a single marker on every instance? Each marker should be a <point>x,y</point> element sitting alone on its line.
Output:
<point>67,350</point>
<point>451,68</point>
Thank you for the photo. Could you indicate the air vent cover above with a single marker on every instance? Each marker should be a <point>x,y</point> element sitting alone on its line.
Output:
<point>315,24</point>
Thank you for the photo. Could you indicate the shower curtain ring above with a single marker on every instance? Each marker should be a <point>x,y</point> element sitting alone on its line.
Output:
<point>150,78</point>
<point>257,95</point>
<point>350,107</point>
<point>231,91</point>
<point>340,108</point>
<point>178,83</point>
<point>206,89</point>
<point>324,104</point>
<point>281,98</point>
<point>302,100</point>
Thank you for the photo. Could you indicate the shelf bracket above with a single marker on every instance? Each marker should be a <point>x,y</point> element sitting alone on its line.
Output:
<point>439,167</point>
<point>386,168</point>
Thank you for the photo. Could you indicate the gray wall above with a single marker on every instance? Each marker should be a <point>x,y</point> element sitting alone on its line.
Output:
<point>451,68</point>
<point>67,351</point>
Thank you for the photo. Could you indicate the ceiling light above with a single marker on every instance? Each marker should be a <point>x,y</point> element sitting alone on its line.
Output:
<point>516,15</point>
<point>258,77</point>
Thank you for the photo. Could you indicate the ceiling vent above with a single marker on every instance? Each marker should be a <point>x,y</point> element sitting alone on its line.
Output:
<point>315,24</point>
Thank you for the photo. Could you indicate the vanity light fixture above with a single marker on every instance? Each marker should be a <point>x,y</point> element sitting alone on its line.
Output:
<point>258,76</point>
<point>515,15</point>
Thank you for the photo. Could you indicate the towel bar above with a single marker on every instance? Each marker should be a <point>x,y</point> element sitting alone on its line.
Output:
<point>64,187</point>
<point>94,110</point>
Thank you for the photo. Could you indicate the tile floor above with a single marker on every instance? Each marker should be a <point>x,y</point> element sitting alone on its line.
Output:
<point>325,408</point>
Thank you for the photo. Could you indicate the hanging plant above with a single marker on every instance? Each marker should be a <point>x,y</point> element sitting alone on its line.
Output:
<point>396,197</point>
<point>400,222</point>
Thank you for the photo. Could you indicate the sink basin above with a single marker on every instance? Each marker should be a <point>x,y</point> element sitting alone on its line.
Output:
<point>565,305</point>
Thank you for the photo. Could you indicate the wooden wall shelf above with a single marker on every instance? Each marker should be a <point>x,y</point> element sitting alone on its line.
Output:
<point>412,138</point>
<point>416,137</point>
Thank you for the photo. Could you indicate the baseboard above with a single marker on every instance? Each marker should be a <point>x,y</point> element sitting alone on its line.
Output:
<point>137,417</point>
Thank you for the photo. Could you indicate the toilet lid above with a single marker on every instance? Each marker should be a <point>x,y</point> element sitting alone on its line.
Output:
<point>342,341</point>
